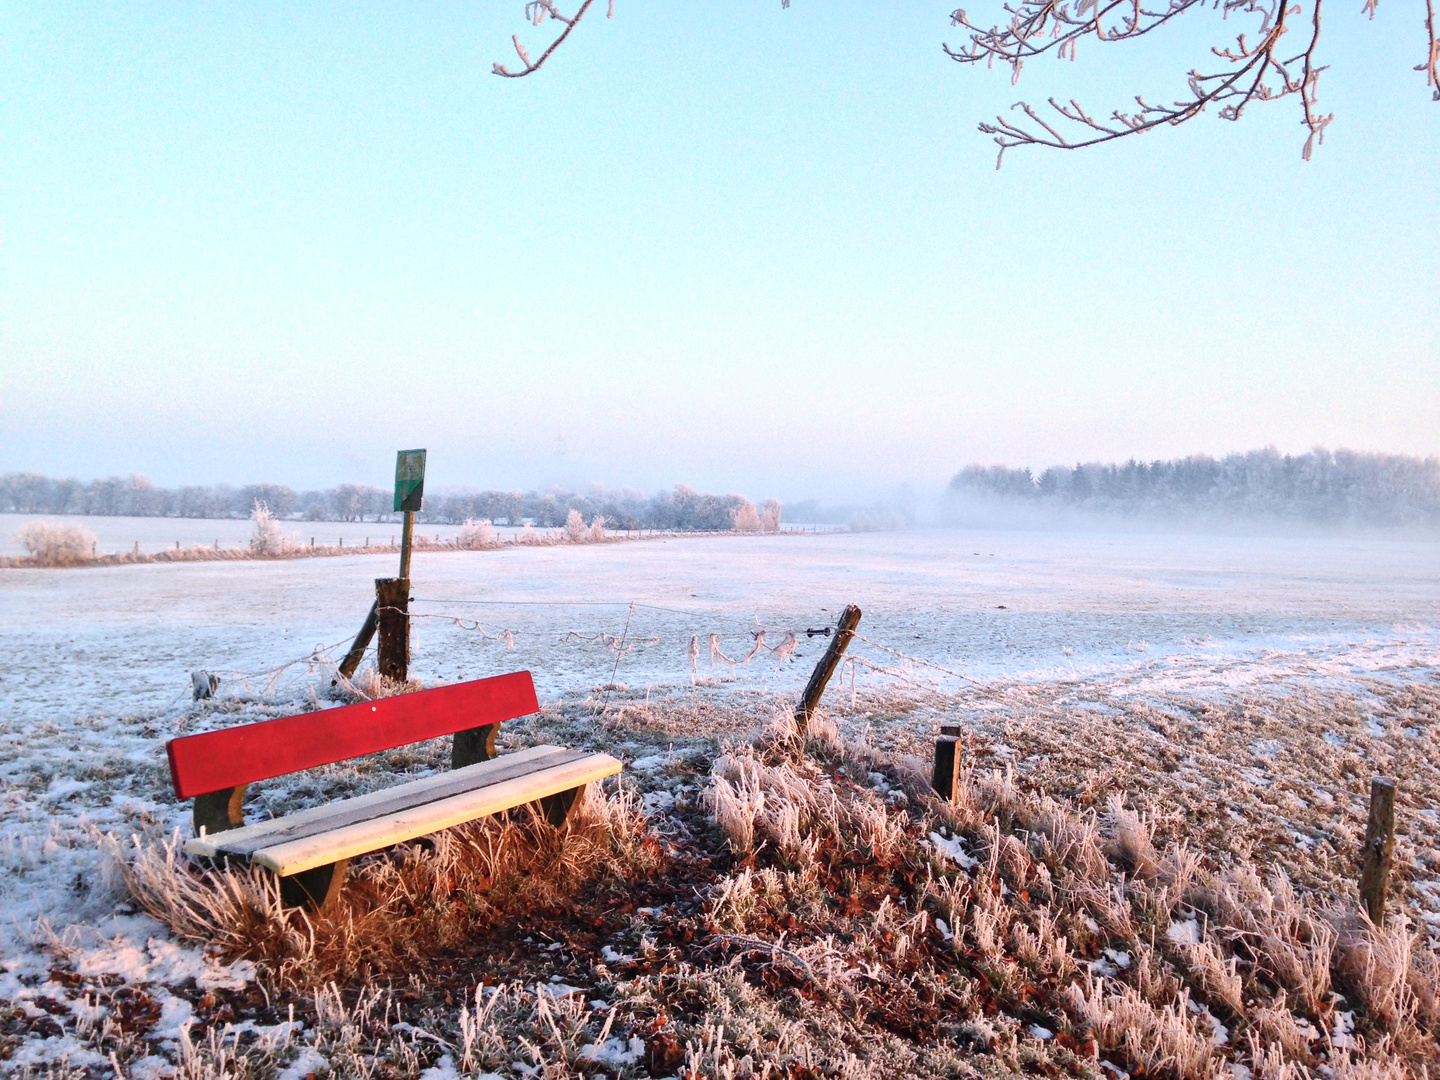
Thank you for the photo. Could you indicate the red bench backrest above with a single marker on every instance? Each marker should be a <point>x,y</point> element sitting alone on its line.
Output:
<point>224,759</point>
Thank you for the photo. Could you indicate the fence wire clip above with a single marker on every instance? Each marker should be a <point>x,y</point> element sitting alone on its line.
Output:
<point>814,633</point>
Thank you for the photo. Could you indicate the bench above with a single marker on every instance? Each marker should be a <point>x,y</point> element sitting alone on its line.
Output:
<point>310,850</point>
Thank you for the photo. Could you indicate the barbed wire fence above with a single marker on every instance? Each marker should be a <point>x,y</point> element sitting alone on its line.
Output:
<point>702,638</point>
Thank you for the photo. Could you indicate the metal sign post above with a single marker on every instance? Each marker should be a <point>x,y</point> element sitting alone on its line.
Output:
<point>409,491</point>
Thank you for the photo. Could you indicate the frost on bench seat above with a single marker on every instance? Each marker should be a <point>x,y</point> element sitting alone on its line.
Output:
<point>338,831</point>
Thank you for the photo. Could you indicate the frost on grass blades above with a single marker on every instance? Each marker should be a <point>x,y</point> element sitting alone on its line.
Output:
<point>1148,868</point>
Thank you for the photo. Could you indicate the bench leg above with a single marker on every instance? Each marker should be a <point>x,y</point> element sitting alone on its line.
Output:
<point>558,808</point>
<point>316,889</point>
<point>473,746</point>
<point>217,811</point>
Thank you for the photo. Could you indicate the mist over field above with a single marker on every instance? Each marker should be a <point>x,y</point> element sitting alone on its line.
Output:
<point>1318,491</point>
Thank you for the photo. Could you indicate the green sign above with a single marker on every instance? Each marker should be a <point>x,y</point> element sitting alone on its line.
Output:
<point>409,479</point>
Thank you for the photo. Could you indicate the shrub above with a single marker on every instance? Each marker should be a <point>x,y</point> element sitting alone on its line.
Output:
<point>575,527</point>
<point>476,534</point>
<point>267,538</point>
<point>596,535</point>
<point>51,543</point>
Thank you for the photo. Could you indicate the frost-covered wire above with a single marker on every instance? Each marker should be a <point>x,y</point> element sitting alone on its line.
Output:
<point>915,659</point>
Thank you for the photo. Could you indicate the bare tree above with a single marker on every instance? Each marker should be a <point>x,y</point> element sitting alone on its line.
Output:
<point>1247,71</point>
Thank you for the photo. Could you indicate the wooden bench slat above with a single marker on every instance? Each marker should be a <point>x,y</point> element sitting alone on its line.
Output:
<point>217,760</point>
<point>248,838</point>
<point>366,836</point>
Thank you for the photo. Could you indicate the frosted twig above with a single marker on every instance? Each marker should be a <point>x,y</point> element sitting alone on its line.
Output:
<point>537,11</point>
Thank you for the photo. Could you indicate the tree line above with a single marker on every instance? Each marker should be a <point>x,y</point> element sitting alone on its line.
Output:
<point>1320,487</point>
<point>682,508</point>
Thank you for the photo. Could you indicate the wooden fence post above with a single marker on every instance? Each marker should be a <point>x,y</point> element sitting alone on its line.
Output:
<point>392,607</point>
<point>810,700</point>
<point>1379,846</point>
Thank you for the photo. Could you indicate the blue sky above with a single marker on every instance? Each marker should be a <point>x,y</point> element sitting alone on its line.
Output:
<point>737,246</point>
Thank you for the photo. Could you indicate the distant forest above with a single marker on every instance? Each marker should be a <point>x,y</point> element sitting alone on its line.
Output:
<point>1321,487</point>
<point>682,508</point>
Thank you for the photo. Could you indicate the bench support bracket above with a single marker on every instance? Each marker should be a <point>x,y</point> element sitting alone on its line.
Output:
<point>558,808</point>
<point>218,811</point>
<point>473,746</point>
<point>314,890</point>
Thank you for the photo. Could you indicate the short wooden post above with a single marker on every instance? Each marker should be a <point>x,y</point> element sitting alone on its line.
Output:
<point>1379,847</point>
<point>392,607</point>
<point>946,778</point>
<point>820,677</point>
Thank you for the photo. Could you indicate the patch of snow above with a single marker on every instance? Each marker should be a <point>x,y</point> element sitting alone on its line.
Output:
<point>1184,933</point>
<point>56,1050</point>
<point>557,990</point>
<point>151,1067</point>
<point>1219,1033</point>
<point>953,850</point>
<point>165,962</point>
<point>1341,1033</point>
<point>176,1014</point>
<point>614,1051</point>
<point>944,928</point>
<point>1119,958</point>
<point>1040,1032</point>
<point>310,1061</point>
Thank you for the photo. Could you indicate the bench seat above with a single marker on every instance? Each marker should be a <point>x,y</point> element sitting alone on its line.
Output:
<point>339,831</point>
<point>309,851</point>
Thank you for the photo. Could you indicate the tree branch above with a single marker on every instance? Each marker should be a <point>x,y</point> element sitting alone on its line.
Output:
<point>536,12</point>
<point>1431,67</point>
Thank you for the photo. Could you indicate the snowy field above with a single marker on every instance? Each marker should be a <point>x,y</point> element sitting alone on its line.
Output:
<point>99,661</point>
<point>1156,612</point>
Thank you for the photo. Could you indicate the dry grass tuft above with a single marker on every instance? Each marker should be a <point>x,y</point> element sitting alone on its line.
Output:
<point>398,906</point>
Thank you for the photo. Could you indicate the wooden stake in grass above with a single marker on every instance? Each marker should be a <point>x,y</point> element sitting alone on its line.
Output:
<point>1379,847</point>
<point>946,777</point>
<point>820,677</point>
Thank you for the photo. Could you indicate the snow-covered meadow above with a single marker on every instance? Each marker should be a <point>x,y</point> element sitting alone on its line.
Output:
<point>1156,612</point>
<point>1102,637</point>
